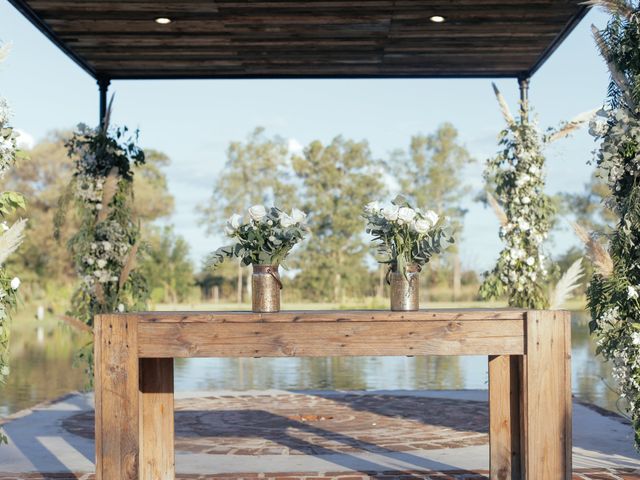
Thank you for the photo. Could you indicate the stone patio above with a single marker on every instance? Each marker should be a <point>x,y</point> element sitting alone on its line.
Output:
<point>311,435</point>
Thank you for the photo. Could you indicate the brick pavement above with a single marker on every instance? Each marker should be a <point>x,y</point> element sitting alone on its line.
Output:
<point>595,474</point>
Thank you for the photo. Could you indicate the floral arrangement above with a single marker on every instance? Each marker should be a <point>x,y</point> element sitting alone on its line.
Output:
<point>11,236</point>
<point>107,244</point>
<point>525,212</point>
<point>265,239</point>
<point>614,292</point>
<point>405,235</point>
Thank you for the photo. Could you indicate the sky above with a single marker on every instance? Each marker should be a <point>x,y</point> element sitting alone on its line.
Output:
<point>193,121</point>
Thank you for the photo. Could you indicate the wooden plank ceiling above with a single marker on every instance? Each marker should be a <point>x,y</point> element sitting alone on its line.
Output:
<point>120,39</point>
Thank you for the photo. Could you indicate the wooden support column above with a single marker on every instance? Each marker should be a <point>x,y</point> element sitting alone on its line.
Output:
<point>504,417</point>
<point>117,406</point>
<point>157,459</point>
<point>546,396</point>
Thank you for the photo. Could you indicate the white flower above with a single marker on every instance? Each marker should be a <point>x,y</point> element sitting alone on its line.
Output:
<point>121,307</point>
<point>432,217</point>
<point>257,212</point>
<point>234,221</point>
<point>422,226</point>
<point>272,238</point>
<point>406,214</point>
<point>372,207</point>
<point>390,213</point>
<point>525,200</point>
<point>15,283</point>
<point>286,221</point>
<point>635,338</point>
<point>632,293</point>
<point>101,263</point>
<point>531,261</point>
<point>106,246</point>
<point>298,215</point>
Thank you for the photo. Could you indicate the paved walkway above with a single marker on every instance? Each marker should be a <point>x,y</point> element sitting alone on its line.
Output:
<point>311,436</point>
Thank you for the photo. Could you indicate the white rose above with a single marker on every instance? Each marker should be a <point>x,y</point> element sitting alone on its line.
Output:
<point>632,293</point>
<point>286,221</point>
<point>121,307</point>
<point>406,214</point>
<point>432,217</point>
<point>526,200</point>
<point>390,213</point>
<point>531,261</point>
<point>101,263</point>
<point>234,221</point>
<point>298,216</point>
<point>15,283</point>
<point>257,212</point>
<point>422,226</point>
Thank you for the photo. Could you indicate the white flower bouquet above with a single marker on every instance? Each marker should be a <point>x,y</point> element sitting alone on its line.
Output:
<point>266,238</point>
<point>406,236</point>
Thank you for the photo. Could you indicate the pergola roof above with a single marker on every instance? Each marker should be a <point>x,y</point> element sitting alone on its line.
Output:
<point>119,39</point>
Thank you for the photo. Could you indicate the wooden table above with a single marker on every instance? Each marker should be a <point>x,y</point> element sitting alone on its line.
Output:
<point>529,374</point>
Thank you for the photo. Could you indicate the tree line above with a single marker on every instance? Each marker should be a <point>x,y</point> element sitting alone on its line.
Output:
<point>331,181</point>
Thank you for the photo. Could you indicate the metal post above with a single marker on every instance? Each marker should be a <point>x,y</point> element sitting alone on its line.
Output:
<point>103,86</point>
<point>523,83</point>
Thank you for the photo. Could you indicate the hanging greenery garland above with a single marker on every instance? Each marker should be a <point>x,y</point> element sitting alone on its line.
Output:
<point>10,237</point>
<point>526,213</point>
<point>613,294</point>
<point>107,243</point>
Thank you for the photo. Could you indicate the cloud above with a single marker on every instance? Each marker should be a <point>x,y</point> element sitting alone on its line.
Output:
<point>25,140</point>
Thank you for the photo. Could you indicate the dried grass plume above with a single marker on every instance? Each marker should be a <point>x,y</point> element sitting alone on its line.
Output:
<point>567,285</point>
<point>129,265</point>
<point>595,251</point>
<point>11,239</point>
<point>497,209</point>
<point>504,106</point>
<point>109,190</point>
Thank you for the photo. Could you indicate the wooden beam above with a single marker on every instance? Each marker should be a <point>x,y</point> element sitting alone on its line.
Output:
<point>319,339</point>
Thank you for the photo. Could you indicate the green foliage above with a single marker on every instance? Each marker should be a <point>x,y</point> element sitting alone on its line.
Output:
<point>167,266</point>
<point>266,239</point>
<point>613,296</point>
<point>336,181</point>
<point>517,174</point>
<point>106,244</point>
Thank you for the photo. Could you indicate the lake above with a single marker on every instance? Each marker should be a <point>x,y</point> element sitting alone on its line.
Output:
<point>42,368</point>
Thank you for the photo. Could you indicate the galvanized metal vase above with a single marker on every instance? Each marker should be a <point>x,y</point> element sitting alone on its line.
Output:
<point>265,289</point>
<point>405,289</point>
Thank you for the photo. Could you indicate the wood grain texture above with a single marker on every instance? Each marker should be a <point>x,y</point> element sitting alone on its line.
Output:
<point>504,417</point>
<point>157,458</point>
<point>315,339</point>
<point>331,316</point>
<point>236,39</point>
<point>116,397</point>
<point>547,396</point>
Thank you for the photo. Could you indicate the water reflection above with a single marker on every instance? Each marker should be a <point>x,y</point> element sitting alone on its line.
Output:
<point>42,358</point>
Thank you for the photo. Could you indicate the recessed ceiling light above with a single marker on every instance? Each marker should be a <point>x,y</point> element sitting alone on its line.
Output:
<point>437,19</point>
<point>163,20</point>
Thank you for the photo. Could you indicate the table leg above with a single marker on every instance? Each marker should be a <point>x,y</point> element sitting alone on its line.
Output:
<point>116,397</point>
<point>504,417</point>
<point>546,395</point>
<point>157,460</point>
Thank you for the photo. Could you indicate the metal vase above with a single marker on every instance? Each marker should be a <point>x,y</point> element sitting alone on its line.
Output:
<point>265,289</point>
<point>405,289</point>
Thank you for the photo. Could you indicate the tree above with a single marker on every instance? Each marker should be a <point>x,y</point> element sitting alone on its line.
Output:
<point>589,207</point>
<point>256,172</point>
<point>430,175</point>
<point>43,175</point>
<point>337,181</point>
<point>167,265</point>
